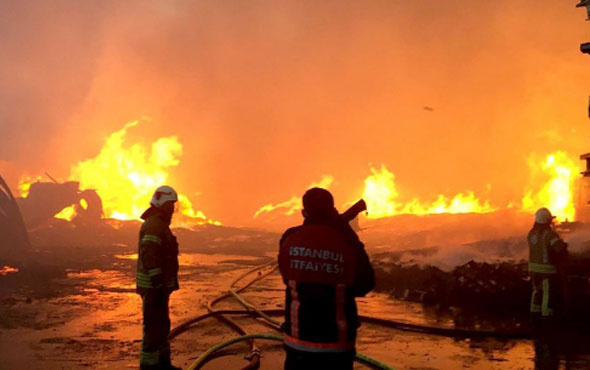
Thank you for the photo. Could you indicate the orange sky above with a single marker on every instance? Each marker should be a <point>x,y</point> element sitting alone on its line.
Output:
<point>266,97</point>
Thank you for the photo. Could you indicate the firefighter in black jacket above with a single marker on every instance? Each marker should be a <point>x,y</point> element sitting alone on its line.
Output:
<point>157,277</point>
<point>324,266</point>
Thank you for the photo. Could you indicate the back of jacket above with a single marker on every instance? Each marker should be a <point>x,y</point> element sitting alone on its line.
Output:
<point>157,255</point>
<point>324,269</point>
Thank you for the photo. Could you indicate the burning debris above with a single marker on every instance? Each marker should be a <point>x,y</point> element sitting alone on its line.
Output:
<point>46,200</point>
<point>8,270</point>
<point>382,199</point>
<point>125,176</point>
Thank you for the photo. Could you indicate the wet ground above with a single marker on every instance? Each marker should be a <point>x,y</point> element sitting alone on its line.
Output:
<point>96,323</point>
<point>73,307</point>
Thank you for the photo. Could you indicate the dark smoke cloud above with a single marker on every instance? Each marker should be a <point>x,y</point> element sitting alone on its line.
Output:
<point>268,96</point>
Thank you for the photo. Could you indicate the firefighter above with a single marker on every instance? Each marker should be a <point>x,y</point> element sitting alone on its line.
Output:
<point>324,267</point>
<point>546,254</point>
<point>157,277</point>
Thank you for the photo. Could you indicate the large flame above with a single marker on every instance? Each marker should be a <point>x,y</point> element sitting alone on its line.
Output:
<point>380,193</point>
<point>381,196</point>
<point>293,205</point>
<point>125,177</point>
<point>552,185</point>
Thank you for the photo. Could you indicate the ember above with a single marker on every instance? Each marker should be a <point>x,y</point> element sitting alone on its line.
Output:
<point>8,270</point>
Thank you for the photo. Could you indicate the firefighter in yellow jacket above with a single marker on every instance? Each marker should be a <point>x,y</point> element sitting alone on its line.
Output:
<point>157,277</point>
<point>546,253</point>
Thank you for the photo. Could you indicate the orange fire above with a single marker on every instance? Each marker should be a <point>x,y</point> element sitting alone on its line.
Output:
<point>553,182</point>
<point>188,216</point>
<point>293,205</point>
<point>126,176</point>
<point>381,196</point>
<point>24,185</point>
<point>8,270</point>
<point>67,213</point>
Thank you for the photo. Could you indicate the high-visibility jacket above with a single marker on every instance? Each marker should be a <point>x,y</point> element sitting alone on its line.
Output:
<point>157,261</point>
<point>324,271</point>
<point>546,250</point>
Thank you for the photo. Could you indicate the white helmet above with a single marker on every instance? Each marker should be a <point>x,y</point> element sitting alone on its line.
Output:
<point>543,216</point>
<point>162,195</point>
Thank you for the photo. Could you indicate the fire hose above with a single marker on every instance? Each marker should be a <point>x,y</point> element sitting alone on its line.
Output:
<point>199,361</point>
<point>265,315</point>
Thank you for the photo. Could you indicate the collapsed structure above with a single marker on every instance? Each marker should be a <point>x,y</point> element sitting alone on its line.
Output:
<point>47,199</point>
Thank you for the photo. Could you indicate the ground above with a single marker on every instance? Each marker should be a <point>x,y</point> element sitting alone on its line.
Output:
<point>96,323</point>
<point>74,307</point>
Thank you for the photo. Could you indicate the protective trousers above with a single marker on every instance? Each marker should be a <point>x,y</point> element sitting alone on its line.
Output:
<point>299,360</point>
<point>546,294</point>
<point>155,348</point>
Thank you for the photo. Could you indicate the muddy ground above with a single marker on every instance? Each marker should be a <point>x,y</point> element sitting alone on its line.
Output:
<point>73,306</point>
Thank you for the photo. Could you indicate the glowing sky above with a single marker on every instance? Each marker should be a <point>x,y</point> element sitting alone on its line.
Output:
<point>267,97</point>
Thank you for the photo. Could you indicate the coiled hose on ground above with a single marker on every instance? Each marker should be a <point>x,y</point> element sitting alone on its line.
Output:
<point>265,315</point>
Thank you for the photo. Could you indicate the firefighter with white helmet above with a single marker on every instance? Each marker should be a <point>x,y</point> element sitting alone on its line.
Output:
<point>157,278</point>
<point>546,253</point>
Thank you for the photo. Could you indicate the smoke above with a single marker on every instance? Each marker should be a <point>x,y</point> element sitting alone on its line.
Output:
<point>265,97</point>
<point>47,65</point>
<point>578,242</point>
<point>448,241</point>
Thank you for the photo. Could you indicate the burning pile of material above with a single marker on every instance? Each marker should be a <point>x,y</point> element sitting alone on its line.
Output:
<point>44,201</point>
<point>8,270</point>
<point>381,196</point>
<point>124,177</point>
<point>553,184</point>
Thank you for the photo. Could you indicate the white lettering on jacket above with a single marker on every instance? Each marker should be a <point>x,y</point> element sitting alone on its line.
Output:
<point>322,260</point>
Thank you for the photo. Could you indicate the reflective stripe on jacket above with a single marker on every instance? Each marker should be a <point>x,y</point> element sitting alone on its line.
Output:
<point>157,259</point>
<point>320,268</point>
<point>545,250</point>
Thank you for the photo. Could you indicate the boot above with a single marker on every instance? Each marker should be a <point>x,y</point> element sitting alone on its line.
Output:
<point>172,367</point>
<point>149,367</point>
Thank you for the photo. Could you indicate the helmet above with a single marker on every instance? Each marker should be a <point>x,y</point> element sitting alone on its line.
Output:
<point>162,195</point>
<point>318,201</point>
<point>543,216</point>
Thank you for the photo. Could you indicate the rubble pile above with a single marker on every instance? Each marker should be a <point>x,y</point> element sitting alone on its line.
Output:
<point>500,289</point>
